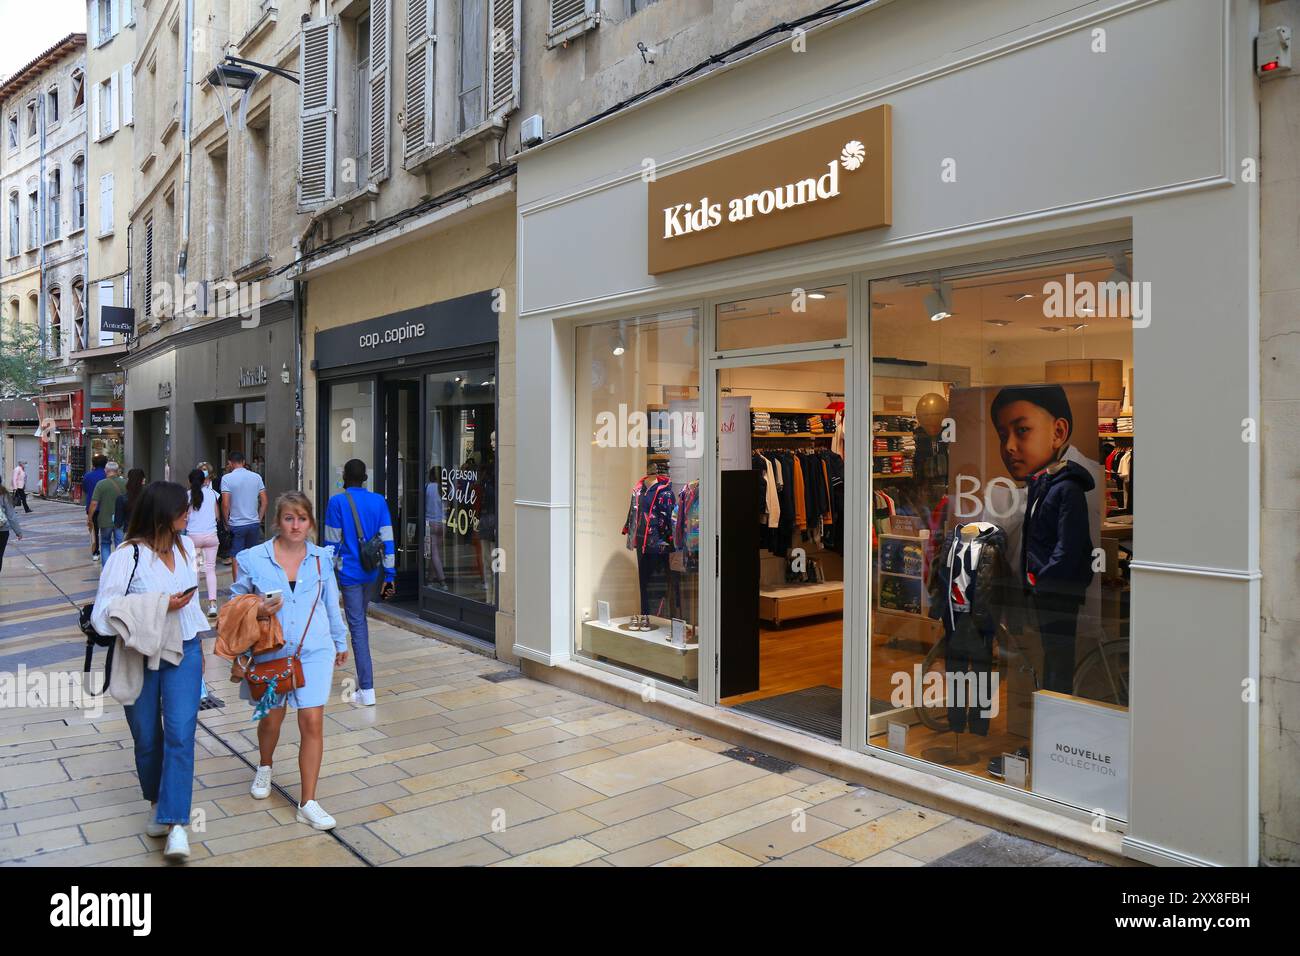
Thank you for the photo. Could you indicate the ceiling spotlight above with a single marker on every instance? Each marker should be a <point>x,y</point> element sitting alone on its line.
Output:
<point>1020,296</point>
<point>939,302</point>
<point>619,346</point>
<point>1079,326</point>
<point>1000,323</point>
<point>1087,311</point>
<point>1051,328</point>
<point>816,295</point>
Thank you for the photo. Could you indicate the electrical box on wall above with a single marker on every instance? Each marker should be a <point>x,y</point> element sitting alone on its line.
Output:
<point>1273,53</point>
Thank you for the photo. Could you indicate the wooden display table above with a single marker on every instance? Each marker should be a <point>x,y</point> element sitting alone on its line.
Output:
<point>651,651</point>
<point>777,604</point>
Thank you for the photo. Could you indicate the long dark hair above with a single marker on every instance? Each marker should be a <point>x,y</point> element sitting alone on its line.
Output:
<point>196,489</point>
<point>134,485</point>
<point>151,520</point>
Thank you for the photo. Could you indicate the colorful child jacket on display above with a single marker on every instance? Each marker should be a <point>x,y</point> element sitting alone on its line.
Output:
<point>649,524</point>
<point>686,525</point>
<point>1057,551</point>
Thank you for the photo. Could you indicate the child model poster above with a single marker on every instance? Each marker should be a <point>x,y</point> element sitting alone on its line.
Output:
<point>1025,457</point>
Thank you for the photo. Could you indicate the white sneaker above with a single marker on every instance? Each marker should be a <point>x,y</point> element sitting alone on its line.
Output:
<point>178,844</point>
<point>365,698</point>
<point>313,815</point>
<point>261,788</point>
<point>212,609</point>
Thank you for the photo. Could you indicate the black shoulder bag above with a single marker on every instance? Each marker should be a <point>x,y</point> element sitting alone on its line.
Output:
<point>370,550</point>
<point>95,639</point>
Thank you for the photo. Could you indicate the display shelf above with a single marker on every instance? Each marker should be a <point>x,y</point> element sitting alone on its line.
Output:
<point>652,651</point>
<point>1114,434</point>
<point>919,588</point>
<point>893,434</point>
<point>896,477</point>
<point>905,454</point>
<point>804,435</point>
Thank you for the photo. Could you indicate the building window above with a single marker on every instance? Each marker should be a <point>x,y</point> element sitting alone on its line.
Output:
<point>361,128</point>
<point>1002,494</point>
<point>216,206</point>
<point>78,193</point>
<point>11,131</point>
<point>106,107</point>
<point>78,89</point>
<point>55,206</point>
<point>33,219</point>
<point>470,74</point>
<point>14,246</point>
<point>636,6</point>
<point>31,119</point>
<point>257,188</point>
<point>54,338</point>
<point>147,253</point>
<point>637,506</point>
<point>52,105</point>
<point>79,313</point>
<point>104,11</point>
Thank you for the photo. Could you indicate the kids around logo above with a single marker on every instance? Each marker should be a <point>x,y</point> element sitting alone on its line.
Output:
<point>624,429</point>
<point>691,217</point>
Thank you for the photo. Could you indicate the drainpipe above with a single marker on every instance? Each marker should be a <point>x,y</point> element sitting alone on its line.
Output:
<point>182,259</point>
<point>299,436</point>
<point>41,224</point>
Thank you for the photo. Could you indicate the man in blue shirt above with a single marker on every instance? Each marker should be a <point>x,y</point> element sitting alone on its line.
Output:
<point>88,483</point>
<point>351,511</point>
<point>243,506</point>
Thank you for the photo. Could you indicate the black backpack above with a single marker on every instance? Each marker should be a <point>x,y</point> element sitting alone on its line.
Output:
<point>95,639</point>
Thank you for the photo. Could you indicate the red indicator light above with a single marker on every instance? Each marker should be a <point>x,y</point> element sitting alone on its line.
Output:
<point>1269,66</point>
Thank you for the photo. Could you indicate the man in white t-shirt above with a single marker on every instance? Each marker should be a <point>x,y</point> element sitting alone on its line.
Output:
<point>243,506</point>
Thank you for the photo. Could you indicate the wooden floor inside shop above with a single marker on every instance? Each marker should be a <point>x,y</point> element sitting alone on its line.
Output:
<point>809,653</point>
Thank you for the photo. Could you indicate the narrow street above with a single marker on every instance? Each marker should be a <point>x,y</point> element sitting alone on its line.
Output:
<point>462,762</point>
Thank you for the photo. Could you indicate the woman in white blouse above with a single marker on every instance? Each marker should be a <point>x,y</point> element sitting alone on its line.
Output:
<point>164,717</point>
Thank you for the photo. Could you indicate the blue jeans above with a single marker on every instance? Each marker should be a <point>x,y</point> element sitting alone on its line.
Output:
<point>162,721</point>
<point>355,599</point>
<point>243,536</point>
<point>109,538</point>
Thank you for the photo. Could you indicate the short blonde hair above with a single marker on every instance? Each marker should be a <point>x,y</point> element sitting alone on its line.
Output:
<point>297,501</point>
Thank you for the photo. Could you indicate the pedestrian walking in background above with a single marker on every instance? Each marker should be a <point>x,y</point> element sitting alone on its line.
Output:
<point>243,506</point>
<point>88,483</point>
<point>19,486</point>
<point>103,503</point>
<point>202,529</point>
<point>148,597</point>
<point>126,501</point>
<point>298,589</point>
<point>8,522</point>
<point>354,519</point>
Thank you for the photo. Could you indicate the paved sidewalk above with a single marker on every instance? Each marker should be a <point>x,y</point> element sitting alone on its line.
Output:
<point>463,761</point>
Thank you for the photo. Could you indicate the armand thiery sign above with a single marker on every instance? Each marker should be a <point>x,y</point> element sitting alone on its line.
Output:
<point>827,181</point>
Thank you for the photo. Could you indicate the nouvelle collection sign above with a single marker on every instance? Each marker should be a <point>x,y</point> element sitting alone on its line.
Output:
<point>823,182</point>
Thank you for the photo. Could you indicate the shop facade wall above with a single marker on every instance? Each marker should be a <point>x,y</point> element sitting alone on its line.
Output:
<point>1280,451</point>
<point>1037,167</point>
<point>476,251</point>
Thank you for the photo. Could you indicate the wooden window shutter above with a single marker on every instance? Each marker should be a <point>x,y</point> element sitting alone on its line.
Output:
<point>380,55</point>
<point>148,266</point>
<point>570,18</point>
<point>421,41</point>
<point>317,53</point>
<point>503,56</point>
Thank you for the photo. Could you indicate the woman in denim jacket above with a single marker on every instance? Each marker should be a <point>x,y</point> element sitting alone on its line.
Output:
<point>301,571</point>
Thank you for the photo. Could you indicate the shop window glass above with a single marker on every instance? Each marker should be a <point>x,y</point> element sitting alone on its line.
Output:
<point>1002,451</point>
<point>812,313</point>
<point>636,504</point>
<point>460,491</point>
<point>351,432</point>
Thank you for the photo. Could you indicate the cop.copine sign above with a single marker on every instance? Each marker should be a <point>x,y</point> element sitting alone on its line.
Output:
<point>826,181</point>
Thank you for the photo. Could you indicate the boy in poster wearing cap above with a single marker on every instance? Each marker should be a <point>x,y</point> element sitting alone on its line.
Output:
<point>1034,425</point>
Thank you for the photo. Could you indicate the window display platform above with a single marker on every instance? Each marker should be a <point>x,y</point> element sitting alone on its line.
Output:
<point>652,651</point>
<point>777,604</point>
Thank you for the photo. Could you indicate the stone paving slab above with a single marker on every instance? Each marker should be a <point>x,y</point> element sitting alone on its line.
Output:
<point>449,769</point>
